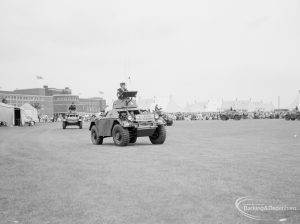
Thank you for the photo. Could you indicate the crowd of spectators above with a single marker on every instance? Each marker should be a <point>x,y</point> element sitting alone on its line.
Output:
<point>216,115</point>
<point>183,116</point>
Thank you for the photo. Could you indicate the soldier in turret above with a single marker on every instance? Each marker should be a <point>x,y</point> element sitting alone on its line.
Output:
<point>121,91</point>
<point>72,107</point>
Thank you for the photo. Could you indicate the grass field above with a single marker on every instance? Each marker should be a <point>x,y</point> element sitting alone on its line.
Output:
<point>50,175</point>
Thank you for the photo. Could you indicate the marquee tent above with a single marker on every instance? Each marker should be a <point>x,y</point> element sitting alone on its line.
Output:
<point>295,103</point>
<point>30,111</point>
<point>172,106</point>
<point>145,103</point>
<point>214,105</point>
<point>196,107</point>
<point>7,114</point>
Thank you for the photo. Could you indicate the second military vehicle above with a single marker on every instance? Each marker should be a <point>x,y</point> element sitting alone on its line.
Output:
<point>126,122</point>
<point>230,114</point>
<point>292,115</point>
<point>72,119</point>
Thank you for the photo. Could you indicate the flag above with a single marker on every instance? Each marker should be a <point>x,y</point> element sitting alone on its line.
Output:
<point>129,77</point>
<point>100,92</point>
<point>39,77</point>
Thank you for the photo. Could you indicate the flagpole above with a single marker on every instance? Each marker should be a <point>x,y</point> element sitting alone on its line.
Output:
<point>129,80</point>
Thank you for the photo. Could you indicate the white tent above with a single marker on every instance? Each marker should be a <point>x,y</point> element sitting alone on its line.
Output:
<point>7,114</point>
<point>214,105</point>
<point>145,103</point>
<point>295,103</point>
<point>196,107</point>
<point>30,112</point>
<point>172,106</point>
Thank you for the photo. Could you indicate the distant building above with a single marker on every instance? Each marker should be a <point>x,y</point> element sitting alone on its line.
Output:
<point>35,91</point>
<point>91,105</point>
<point>53,100</point>
<point>61,103</point>
<point>45,91</point>
<point>18,100</point>
<point>54,91</point>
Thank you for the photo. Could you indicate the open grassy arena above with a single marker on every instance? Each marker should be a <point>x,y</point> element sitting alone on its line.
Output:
<point>51,175</point>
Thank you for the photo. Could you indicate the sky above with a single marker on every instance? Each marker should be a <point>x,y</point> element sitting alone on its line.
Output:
<point>190,50</point>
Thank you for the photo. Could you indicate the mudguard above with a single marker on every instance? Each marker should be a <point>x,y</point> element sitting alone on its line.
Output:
<point>104,126</point>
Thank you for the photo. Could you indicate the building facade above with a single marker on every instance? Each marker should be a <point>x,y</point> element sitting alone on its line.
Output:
<point>62,102</point>
<point>53,104</point>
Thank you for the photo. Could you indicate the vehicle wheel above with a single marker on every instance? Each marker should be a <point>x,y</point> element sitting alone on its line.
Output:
<point>224,118</point>
<point>287,117</point>
<point>80,125</point>
<point>170,122</point>
<point>120,135</point>
<point>159,135</point>
<point>64,125</point>
<point>293,118</point>
<point>133,139</point>
<point>237,117</point>
<point>96,140</point>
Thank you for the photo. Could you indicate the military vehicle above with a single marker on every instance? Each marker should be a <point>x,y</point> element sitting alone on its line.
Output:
<point>245,115</point>
<point>280,113</point>
<point>230,114</point>
<point>72,119</point>
<point>126,122</point>
<point>292,115</point>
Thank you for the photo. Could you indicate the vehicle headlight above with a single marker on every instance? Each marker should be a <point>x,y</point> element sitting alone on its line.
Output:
<point>126,124</point>
<point>130,118</point>
<point>156,116</point>
<point>161,121</point>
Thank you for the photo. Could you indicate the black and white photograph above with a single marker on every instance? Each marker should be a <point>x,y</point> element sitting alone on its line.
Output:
<point>149,112</point>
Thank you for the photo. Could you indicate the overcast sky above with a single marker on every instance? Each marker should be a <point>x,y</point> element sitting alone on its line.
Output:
<point>193,50</point>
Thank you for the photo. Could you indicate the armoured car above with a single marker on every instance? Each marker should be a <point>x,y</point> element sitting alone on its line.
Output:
<point>230,114</point>
<point>292,115</point>
<point>126,122</point>
<point>72,119</point>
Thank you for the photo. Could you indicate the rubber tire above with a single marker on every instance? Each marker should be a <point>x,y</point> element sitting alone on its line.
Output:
<point>124,133</point>
<point>159,136</point>
<point>64,125</point>
<point>169,122</point>
<point>96,140</point>
<point>80,124</point>
<point>133,139</point>
<point>224,117</point>
<point>237,117</point>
